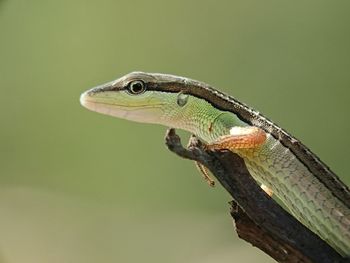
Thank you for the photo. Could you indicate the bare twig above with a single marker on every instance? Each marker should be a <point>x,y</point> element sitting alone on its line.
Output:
<point>259,219</point>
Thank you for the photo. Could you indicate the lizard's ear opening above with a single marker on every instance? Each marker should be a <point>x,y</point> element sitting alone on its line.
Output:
<point>182,99</point>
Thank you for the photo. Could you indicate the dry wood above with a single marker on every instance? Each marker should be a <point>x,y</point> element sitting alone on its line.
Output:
<point>258,218</point>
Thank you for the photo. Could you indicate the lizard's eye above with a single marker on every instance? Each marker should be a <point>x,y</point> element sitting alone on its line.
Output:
<point>136,87</point>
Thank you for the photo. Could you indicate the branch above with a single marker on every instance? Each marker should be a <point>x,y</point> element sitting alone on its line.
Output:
<point>259,219</point>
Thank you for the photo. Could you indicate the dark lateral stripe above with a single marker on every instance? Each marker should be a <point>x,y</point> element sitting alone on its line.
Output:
<point>226,103</point>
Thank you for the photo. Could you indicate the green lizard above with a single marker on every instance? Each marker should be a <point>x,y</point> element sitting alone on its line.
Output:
<point>310,190</point>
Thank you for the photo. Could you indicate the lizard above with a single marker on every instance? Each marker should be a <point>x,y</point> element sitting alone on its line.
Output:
<point>281,163</point>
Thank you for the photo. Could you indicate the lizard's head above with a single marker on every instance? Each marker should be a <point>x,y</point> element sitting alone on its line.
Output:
<point>140,97</point>
<point>163,99</point>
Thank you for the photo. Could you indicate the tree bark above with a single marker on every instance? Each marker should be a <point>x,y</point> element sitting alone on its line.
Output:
<point>258,218</point>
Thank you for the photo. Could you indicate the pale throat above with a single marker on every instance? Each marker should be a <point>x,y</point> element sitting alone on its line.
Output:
<point>201,119</point>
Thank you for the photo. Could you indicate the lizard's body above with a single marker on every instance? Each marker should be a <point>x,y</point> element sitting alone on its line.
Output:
<point>308,188</point>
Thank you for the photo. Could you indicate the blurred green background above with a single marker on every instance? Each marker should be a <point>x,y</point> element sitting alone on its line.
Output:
<point>76,186</point>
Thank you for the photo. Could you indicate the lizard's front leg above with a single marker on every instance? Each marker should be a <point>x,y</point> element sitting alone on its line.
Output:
<point>239,138</point>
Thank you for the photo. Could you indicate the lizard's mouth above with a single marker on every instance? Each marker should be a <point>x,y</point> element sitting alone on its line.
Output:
<point>93,104</point>
<point>148,113</point>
